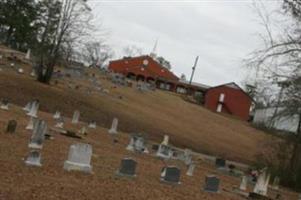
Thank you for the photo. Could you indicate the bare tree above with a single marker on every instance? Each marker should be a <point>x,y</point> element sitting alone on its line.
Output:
<point>131,51</point>
<point>278,66</point>
<point>70,25</point>
<point>97,54</point>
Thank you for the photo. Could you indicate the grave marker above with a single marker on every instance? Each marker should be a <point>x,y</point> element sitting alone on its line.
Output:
<point>128,167</point>
<point>34,109</point>
<point>171,175</point>
<point>191,168</point>
<point>57,115</point>
<point>79,158</point>
<point>114,126</point>
<point>4,104</point>
<point>164,151</point>
<point>28,107</point>
<point>34,158</point>
<point>30,124</point>
<point>211,184</point>
<point>220,163</point>
<point>165,140</point>
<point>261,186</point>
<point>75,117</point>
<point>11,126</point>
<point>244,183</point>
<point>92,124</point>
<point>38,135</point>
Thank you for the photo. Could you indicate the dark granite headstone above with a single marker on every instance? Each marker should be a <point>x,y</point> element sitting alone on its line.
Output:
<point>128,167</point>
<point>171,174</point>
<point>11,126</point>
<point>211,183</point>
<point>220,162</point>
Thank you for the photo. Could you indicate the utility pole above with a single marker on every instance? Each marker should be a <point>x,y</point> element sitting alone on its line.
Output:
<point>193,69</point>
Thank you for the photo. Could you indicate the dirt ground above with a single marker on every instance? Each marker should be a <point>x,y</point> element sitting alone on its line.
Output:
<point>18,181</point>
<point>155,113</point>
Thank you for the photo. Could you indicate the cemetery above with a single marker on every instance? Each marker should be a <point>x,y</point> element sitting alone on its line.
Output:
<point>88,136</point>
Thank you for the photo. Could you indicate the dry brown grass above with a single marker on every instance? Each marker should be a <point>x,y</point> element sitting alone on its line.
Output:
<point>51,182</point>
<point>155,113</point>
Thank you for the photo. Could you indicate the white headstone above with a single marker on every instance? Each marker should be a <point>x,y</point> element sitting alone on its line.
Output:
<point>21,71</point>
<point>27,56</point>
<point>79,158</point>
<point>92,124</point>
<point>34,109</point>
<point>276,182</point>
<point>28,106</point>
<point>191,168</point>
<point>57,115</point>
<point>30,124</point>
<point>114,126</point>
<point>261,186</point>
<point>4,104</point>
<point>165,140</point>
<point>130,146</point>
<point>33,73</point>
<point>34,158</point>
<point>164,151</point>
<point>244,183</point>
<point>75,117</point>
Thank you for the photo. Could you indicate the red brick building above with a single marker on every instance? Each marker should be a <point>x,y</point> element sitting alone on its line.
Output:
<point>229,98</point>
<point>146,68</point>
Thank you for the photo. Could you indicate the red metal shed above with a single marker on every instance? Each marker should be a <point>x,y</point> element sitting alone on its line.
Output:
<point>229,98</point>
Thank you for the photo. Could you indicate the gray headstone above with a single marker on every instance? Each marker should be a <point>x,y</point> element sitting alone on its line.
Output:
<point>79,158</point>
<point>171,174</point>
<point>128,167</point>
<point>75,117</point>
<point>211,184</point>
<point>164,151</point>
<point>11,126</point>
<point>38,135</point>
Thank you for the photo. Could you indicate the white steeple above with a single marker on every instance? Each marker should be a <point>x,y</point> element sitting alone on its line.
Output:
<point>153,53</point>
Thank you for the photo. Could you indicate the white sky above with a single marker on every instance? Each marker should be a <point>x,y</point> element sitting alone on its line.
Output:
<point>221,32</point>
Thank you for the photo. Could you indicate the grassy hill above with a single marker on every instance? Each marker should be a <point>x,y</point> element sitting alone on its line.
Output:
<point>155,113</point>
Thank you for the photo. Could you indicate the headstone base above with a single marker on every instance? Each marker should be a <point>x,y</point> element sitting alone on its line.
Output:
<point>168,182</point>
<point>118,173</point>
<point>72,166</point>
<point>35,146</point>
<point>32,163</point>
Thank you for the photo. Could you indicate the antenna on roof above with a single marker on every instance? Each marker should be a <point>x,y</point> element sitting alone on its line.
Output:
<point>193,69</point>
<point>153,53</point>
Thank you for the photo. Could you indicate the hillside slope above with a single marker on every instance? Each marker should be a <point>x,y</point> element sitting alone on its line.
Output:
<point>155,113</point>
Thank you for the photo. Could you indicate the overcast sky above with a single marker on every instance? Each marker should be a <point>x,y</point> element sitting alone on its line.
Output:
<point>221,32</point>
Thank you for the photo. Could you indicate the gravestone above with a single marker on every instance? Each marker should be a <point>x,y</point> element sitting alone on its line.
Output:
<point>4,104</point>
<point>138,144</point>
<point>113,129</point>
<point>60,123</point>
<point>27,106</point>
<point>128,167</point>
<point>191,168</point>
<point>11,126</point>
<point>38,135</point>
<point>34,158</point>
<point>220,163</point>
<point>30,124</point>
<point>75,117</point>
<point>261,186</point>
<point>165,140</point>
<point>33,73</point>
<point>187,156</point>
<point>170,175</point>
<point>276,182</point>
<point>243,183</point>
<point>57,115</point>
<point>92,124</point>
<point>211,184</point>
<point>164,151</point>
<point>79,158</point>
<point>83,131</point>
<point>34,109</point>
